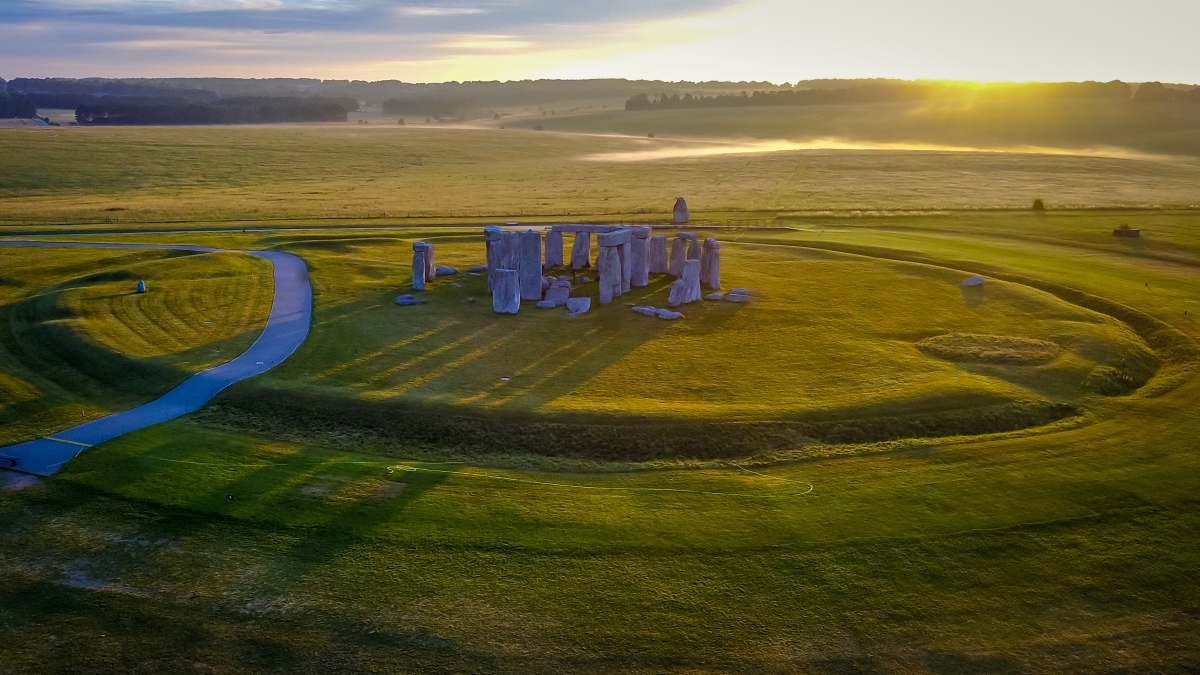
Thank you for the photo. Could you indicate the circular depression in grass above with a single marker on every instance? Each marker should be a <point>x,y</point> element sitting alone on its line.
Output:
<point>828,338</point>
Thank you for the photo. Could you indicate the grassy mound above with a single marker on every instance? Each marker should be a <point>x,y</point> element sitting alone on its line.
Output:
<point>973,348</point>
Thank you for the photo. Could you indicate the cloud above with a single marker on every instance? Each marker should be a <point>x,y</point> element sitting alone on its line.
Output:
<point>439,11</point>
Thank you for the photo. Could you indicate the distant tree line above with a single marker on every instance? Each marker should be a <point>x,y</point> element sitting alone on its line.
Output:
<point>13,104</point>
<point>917,91</point>
<point>239,110</point>
<point>429,107</point>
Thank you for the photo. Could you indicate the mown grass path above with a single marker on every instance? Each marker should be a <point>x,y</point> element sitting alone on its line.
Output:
<point>287,327</point>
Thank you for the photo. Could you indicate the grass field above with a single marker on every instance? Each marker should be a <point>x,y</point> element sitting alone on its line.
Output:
<point>353,544</point>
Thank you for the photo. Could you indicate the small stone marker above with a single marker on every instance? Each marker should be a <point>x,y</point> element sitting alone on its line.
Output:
<point>408,299</point>
<point>141,286</point>
<point>577,306</point>
<point>506,296</point>
<point>971,281</point>
<point>680,212</point>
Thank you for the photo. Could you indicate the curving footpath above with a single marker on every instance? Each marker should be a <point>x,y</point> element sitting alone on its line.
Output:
<point>287,327</point>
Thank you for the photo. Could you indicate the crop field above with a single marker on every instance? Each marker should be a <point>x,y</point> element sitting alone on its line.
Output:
<point>864,469</point>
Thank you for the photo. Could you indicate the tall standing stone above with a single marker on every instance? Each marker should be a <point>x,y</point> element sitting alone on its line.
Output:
<point>681,211</point>
<point>679,251</point>
<point>640,257</point>
<point>418,267</point>
<point>530,269</point>
<point>625,253</point>
<point>693,250</point>
<point>581,251</point>
<point>510,251</point>
<point>710,264</point>
<point>658,255</point>
<point>506,297</point>
<point>491,238</point>
<point>554,248</point>
<point>608,265</point>
<point>687,288</point>
<point>430,268</point>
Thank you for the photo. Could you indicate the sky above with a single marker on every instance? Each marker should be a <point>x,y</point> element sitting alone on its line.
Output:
<point>772,40</point>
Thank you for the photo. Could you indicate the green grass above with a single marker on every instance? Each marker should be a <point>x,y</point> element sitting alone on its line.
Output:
<point>76,341</point>
<point>1064,548</point>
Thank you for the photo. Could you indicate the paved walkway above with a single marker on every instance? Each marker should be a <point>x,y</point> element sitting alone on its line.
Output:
<point>287,327</point>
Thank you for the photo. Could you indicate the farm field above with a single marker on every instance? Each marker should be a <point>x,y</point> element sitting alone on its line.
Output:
<point>808,483</point>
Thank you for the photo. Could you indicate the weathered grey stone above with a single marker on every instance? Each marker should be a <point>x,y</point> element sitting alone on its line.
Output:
<point>581,251</point>
<point>678,255</point>
<point>639,264</point>
<point>455,285</point>
<point>408,299</point>
<point>645,309</point>
<point>739,291</point>
<point>578,305</point>
<point>687,288</point>
<point>510,251</point>
<point>530,267</point>
<point>506,296</point>
<point>657,260</point>
<point>563,277</point>
<point>693,250</point>
<point>418,268</point>
<point>680,211</point>
<point>545,304</point>
<point>491,237</point>
<point>443,270</point>
<point>608,264</point>
<point>668,314</point>
<point>971,281</point>
<point>614,238</point>
<point>554,249</point>
<point>430,268</point>
<point>625,254</point>
<point>710,264</point>
<point>715,296</point>
<point>546,281</point>
<point>738,295</point>
<point>558,293</point>
<point>476,269</point>
<point>141,286</point>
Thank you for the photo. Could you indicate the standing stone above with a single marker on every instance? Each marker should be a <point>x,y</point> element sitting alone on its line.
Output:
<point>581,251</point>
<point>510,251</point>
<point>141,286</point>
<point>554,249</point>
<point>608,264</point>
<point>678,254</point>
<point>658,254</point>
<point>506,297</point>
<point>681,211</point>
<point>430,268</point>
<point>640,258</point>
<point>694,250</point>
<point>530,268</point>
<point>710,264</point>
<point>687,288</point>
<point>418,267</point>
<point>491,238</point>
<point>625,253</point>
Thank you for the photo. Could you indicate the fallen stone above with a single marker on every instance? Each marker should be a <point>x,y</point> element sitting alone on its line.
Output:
<point>546,281</point>
<point>578,306</point>
<point>729,297</point>
<point>668,314</point>
<point>715,296</point>
<point>408,299</point>
<point>506,295</point>
<point>585,280</point>
<point>739,291</point>
<point>558,293</point>
<point>545,304</point>
<point>971,281</point>
<point>648,311</point>
<point>563,277</point>
<point>476,269</point>
<point>443,271</point>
